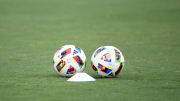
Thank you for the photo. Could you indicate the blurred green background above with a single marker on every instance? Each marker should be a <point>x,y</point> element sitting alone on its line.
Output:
<point>146,31</point>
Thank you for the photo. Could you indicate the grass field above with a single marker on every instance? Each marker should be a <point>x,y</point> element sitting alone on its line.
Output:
<point>146,31</point>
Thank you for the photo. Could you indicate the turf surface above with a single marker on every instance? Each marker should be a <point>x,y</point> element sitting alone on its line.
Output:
<point>146,31</point>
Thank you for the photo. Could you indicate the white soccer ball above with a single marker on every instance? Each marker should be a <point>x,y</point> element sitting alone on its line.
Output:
<point>108,61</point>
<point>68,60</point>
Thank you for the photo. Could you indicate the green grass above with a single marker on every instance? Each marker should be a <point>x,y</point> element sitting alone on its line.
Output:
<point>147,32</point>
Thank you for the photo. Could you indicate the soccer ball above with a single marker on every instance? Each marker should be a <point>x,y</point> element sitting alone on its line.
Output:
<point>108,61</point>
<point>68,60</point>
